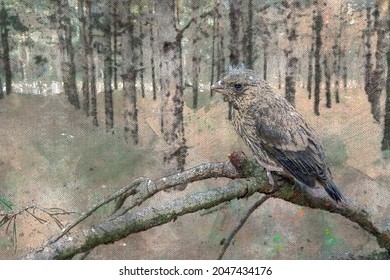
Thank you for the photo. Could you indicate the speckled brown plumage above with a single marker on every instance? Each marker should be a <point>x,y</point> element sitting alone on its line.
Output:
<point>278,136</point>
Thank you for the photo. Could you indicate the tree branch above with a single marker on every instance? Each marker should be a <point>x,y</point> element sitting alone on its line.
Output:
<point>125,222</point>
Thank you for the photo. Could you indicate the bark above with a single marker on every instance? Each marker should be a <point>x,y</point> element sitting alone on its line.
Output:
<point>311,56</point>
<point>219,56</point>
<point>327,83</point>
<point>84,56</point>
<point>91,63</point>
<point>344,68</point>
<point>377,82</point>
<point>171,111</point>
<point>337,55</point>
<point>68,69</point>
<point>318,24</point>
<point>1,89</point>
<point>196,25</point>
<point>367,34</point>
<point>153,51</point>
<point>115,45</point>
<point>213,43</point>
<point>141,59</point>
<point>385,145</point>
<point>249,32</point>
<point>235,19</point>
<point>6,49</point>
<point>108,67</point>
<point>290,51</point>
<point>123,222</point>
<point>220,43</point>
<point>130,63</point>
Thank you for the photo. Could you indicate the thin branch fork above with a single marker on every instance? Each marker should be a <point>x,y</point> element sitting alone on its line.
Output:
<point>125,221</point>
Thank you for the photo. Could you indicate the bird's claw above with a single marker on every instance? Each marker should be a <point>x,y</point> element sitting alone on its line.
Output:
<point>272,182</point>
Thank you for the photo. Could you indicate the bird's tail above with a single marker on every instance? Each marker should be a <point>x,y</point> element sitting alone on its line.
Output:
<point>333,192</point>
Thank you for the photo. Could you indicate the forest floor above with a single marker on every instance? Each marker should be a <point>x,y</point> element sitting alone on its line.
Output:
<point>51,156</point>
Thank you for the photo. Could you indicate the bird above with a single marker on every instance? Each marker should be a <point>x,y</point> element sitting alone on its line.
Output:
<point>276,133</point>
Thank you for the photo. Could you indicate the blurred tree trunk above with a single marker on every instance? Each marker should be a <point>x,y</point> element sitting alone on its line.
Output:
<point>1,89</point>
<point>235,18</point>
<point>290,51</point>
<point>327,82</point>
<point>141,58</point>
<point>196,26</point>
<point>91,63</point>
<point>172,124</point>
<point>219,43</point>
<point>6,49</point>
<point>214,40</point>
<point>115,44</point>
<point>337,54</point>
<point>248,43</point>
<point>311,56</point>
<point>318,24</point>
<point>386,131</point>
<point>265,36</point>
<point>367,34</point>
<point>344,68</point>
<point>64,31</point>
<point>107,65</point>
<point>130,62</point>
<point>152,49</point>
<point>84,56</point>
<point>378,81</point>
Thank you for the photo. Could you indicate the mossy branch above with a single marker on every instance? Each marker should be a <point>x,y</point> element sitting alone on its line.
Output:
<point>126,221</point>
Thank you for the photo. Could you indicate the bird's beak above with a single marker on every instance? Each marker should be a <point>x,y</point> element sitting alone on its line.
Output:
<point>218,86</point>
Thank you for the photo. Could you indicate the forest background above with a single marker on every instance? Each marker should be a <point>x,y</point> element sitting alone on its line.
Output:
<point>96,93</point>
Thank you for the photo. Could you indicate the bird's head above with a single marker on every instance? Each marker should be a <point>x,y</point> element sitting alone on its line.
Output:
<point>238,84</point>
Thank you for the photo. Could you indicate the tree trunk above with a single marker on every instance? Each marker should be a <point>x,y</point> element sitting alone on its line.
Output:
<point>318,24</point>
<point>219,43</point>
<point>107,67</point>
<point>337,55</point>
<point>152,48</point>
<point>84,56</point>
<point>64,31</point>
<point>386,131</point>
<point>235,18</point>
<point>367,34</point>
<point>195,52</point>
<point>141,58</point>
<point>311,55</point>
<point>1,89</point>
<point>172,124</point>
<point>6,49</point>
<point>378,81</point>
<point>214,40</point>
<point>91,63</point>
<point>249,32</point>
<point>130,47</point>
<point>327,82</point>
<point>344,68</point>
<point>290,51</point>
<point>265,61</point>
<point>115,45</point>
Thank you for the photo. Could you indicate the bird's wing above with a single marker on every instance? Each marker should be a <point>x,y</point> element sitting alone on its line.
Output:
<point>287,138</point>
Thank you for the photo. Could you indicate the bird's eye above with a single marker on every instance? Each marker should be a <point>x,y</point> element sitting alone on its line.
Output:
<point>237,86</point>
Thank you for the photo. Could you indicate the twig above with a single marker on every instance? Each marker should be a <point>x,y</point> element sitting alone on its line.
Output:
<point>228,240</point>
